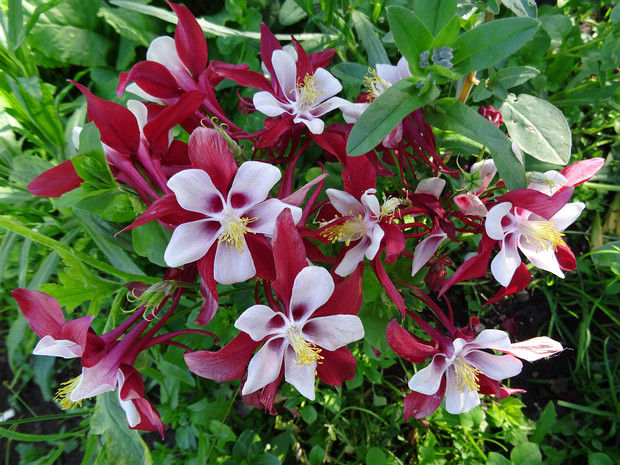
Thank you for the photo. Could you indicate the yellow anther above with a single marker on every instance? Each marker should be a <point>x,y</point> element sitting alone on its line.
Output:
<point>351,230</point>
<point>466,375</point>
<point>63,395</point>
<point>542,233</point>
<point>308,92</point>
<point>375,85</point>
<point>235,229</point>
<point>307,352</point>
<point>389,207</point>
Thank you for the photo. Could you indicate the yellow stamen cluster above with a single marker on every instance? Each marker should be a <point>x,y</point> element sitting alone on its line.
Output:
<point>542,233</point>
<point>308,92</point>
<point>235,230</point>
<point>466,375</point>
<point>389,207</point>
<point>306,352</point>
<point>350,230</point>
<point>375,85</point>
<point>63,395</point>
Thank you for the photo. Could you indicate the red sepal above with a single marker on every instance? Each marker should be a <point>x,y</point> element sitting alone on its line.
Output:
<point>336,367</point>
<point>55,181</point>
<point>520,280</point>
<point>190,41</point>
<point>209,151</point>
<point>418,405</point>
<point>408,346</point>
<point>289,255</point>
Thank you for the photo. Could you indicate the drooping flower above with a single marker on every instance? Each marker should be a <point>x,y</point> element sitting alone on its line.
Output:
<point>305,97</point>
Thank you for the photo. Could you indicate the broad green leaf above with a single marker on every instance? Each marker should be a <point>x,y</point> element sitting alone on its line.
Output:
<point>150,241</point>
<point>495,458</point>
<point>138,28</point>
<point>355,72</point>
<point>435,14</point>
<point>410,34</point>
<point>458,117</point>
<point>448,34</point>
<point>15,15</point>
<point>544,424</point>
<point>522,7</point>
<point>308,413</point>
<point>599,458</point>
<point>366,32</point>
<point>70,45</point>
<point>384,113</point>
<point>538,127</point>
<point>290,13</point>
<point>513,76</point>
<point>375,456</point>
<point>123,445</point>
<point>490,43</point>
<point>526,453</point>
<point>557,26</point>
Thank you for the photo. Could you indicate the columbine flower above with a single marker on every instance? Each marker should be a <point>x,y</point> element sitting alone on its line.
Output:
<point>359,222</point>
<point>464,363</point>
<point>305,98</point>
<point>296,338</point>
<point>537,237</point>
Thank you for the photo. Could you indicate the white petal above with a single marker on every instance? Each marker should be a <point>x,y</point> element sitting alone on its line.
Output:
<point>403,68</point>
<point>95,380</point>
<point>344,203</point>
<point>389,73</point>
<point>230,266</point>
<point>139,111</point>
<point>195,191</point>
<point>489,339</point>
<point>191,241</point>
<point>259,321</point>
<point>131,412</point>
<point>267,212</point>
<point>535,348</point>
<point>334,331</point>
<point>543,259</point>
<point>314,125</point>
<point>57,348</point>
<point>268,105</point>
<point>458,401</point>
<point>352,111</point>
<point>133,88</point>
<point>432,186</point>
<point>425,250</point>
<point>493,223</point>
<point>353,257</point>
<point>496,367</point>
<point>506,262</point>
<point>265,365</point>
<point>301,377</point>
<point>567,215</point>
<point>376,235</point>
<point>163,50</point>
<point>252,184</point>
<point>327,83</point>
<point>312,288</point>
<point>427,380</point>
<point>371,203</point>
<point>286,72</point>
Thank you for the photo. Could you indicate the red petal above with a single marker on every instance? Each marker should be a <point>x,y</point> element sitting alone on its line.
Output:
<point>153,78</point>
<point>347,296</point>
<point>76,330</point>
<point>418,405</point>
<point>388,285</point>
<point>289,255</point>
<point>241,75</point>
<point>226,364</point>
<point>208,150</point>
<point>394,241</point>
<point>55,181</point>
<point>520,280</point>
<point>335,144</point>
<point>565,257</point>
<point>581,171</point>
<point>537,202</point>
<point>190,41</point>
<point>262,254</point>
<point>358,176</point>
<point>268,44</point>
<point>336,367</point>
<point>209,305</point>
<point>42,311</point>
<point>117,125</point>
<point>406,345</point>
<point>475,267</point>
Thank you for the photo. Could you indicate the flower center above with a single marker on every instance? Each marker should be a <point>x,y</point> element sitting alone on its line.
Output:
<point>235,229</point>
<point>543,234</point>
<point>389,207</point>
<point>306,352</point>
<point>375,85</point>
<point>466,375</point>
<point>63,395</point>
<point>351,230</point>
<point>308,92</point>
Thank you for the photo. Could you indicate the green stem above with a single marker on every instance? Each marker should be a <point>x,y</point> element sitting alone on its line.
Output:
<point>470,439</point>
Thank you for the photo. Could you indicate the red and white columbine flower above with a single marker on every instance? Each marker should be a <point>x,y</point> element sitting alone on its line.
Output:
<point>462,363</point>
<point>230,214</point>
<point>538,238</point>
<point>296,337</point>
<point>304,97</point>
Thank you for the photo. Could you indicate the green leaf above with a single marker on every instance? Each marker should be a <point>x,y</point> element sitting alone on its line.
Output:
<point>150,241</point>
<point>71,45</point>
<point>495,458</point>
<point>522,7</point>
<point>545,423</point>
<point>138,28</point>
<point>490,43</point>
<point>370,41</point>
<point>316,455</point>
<point>538,127</point>
<point>435,14</point>
<point>375,456</point>
<point>308,413</point>
<point>290,13</point>
<point>15,36</point>
<point>599,458</point>
<point>458,117</point>
<point>123,445</point>
<point>513,76</point>
<point>448,34</point>
<point>557,26</point>
<point>384,113</point>
<point>410,34</point>
<point>526,453</point>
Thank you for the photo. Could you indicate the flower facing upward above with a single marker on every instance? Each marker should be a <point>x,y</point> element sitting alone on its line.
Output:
<point>296,338</point>
<point>228,219</point>
<point>306,98</point>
